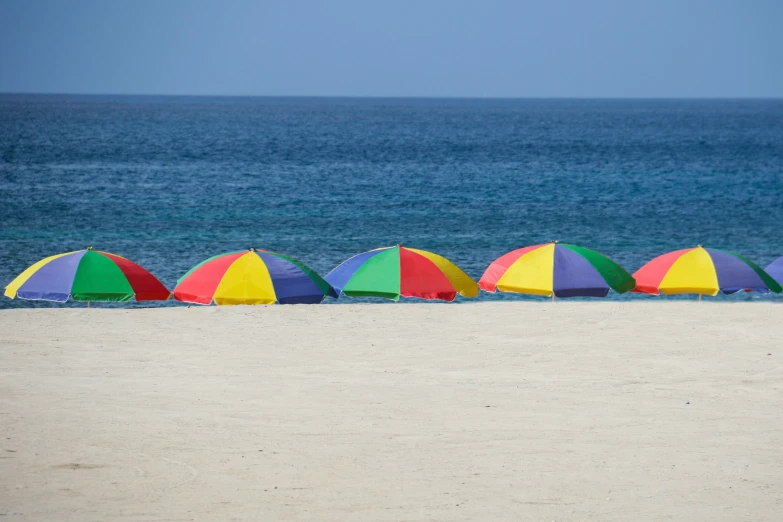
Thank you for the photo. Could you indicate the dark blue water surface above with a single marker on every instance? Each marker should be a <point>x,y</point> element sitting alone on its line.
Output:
<point>170,181</point>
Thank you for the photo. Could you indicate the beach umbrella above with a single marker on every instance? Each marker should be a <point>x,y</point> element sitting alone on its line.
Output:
<point>252,277</point>
<point>556,269</point>
<point>702,271</point>
<point>775,270</point>
<point>86,275</point>
<point>395,271</point>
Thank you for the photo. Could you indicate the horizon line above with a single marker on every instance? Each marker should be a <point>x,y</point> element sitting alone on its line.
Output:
<point>387,97</point>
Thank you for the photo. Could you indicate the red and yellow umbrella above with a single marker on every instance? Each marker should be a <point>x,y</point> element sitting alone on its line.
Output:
<point>702,271</point>
<point>556,269</point>
<point>252,277</point>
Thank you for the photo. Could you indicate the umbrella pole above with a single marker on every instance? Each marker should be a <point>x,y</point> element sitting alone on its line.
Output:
<point>553,297</point>
<point>88,304</point>
<point>700,298</point>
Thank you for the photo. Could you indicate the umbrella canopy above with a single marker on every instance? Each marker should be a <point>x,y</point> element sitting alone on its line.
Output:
<point>702,271</point>
<point>556,269</point>
<point>775,270</point>
<point>391,272</point>
<point>252,277</point>
<point>86,275</point>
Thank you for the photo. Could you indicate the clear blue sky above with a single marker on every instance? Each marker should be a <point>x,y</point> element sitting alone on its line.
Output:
<point>588,48</point>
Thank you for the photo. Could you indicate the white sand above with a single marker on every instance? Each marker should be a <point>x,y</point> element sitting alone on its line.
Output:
<point>490,411</point>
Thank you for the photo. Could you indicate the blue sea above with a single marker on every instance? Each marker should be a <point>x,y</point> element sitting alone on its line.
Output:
<point>170,181</point>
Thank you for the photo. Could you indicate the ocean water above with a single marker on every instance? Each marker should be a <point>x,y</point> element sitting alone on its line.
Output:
<point>170,181</point>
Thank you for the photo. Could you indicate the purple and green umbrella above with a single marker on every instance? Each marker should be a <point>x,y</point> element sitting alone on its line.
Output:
<point>392,272</point>
<point>775,270</point>
<point>86,275</point>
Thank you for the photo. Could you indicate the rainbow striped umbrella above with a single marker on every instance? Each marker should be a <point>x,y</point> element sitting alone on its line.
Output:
<point>558,270</point>
<point>702,271</point>
<point>395,271</point>
<point>86,275</point>
<point>252,277</point>
<point>775,270</point>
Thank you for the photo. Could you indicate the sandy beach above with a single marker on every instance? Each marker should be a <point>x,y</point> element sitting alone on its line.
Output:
<point>641,411</point>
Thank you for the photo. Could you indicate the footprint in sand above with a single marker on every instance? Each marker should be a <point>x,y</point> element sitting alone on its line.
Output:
<point>77,465</point>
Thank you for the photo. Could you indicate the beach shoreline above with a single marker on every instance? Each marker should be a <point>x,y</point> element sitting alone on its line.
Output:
<point>611,410</point>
